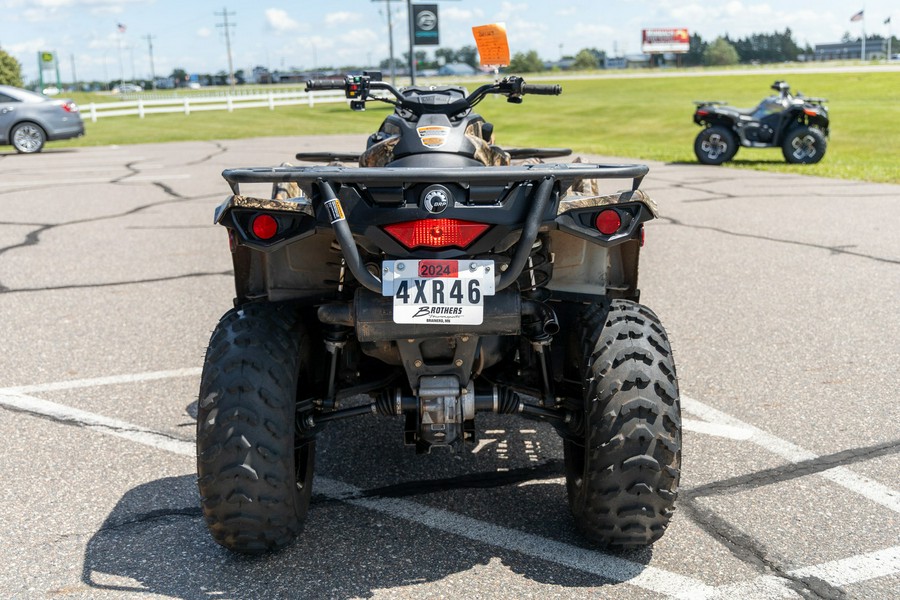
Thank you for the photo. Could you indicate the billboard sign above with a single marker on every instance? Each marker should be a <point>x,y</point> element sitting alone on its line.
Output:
<point>425,21</point>
<point>657,41</point>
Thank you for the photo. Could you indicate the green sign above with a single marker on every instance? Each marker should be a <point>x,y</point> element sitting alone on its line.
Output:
<point>47,57</point>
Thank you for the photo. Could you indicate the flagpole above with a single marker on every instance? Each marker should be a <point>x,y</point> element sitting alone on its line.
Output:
<point>889,39</point>
<point>863,57</point>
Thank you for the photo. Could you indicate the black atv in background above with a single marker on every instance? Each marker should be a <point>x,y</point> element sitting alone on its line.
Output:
<point>796,124</point>
<point>433,282</point>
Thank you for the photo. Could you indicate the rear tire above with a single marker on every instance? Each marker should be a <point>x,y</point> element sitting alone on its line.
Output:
<point>622,471</point>
<point>804,145</point>
<point>254,465</point>
<point>28,138</point>
<point>715,145</point>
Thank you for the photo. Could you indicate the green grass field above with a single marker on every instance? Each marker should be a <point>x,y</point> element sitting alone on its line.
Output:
<point>638,118</point>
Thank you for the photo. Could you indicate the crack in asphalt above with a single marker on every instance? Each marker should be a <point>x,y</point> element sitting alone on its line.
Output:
<point>150,516</point>
<point>77,286</point>
<point>832,249</point>
<point>757,479</point>
<point>221,149</point>
<point>752,552</point>
<point>32,238</point>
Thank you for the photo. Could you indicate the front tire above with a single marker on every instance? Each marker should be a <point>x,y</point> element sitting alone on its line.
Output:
<point>28,138</point>
<point>622,471</point>
<point>804,145</point>
<point>254,464</point>
<point>715,145</point>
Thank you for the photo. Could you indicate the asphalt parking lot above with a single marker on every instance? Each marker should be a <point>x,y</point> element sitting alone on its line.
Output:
<point>780,294</point>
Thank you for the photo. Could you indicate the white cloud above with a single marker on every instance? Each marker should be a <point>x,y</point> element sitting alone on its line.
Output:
<point>280,21</point>
<point>342,18</point>
<point>204,32</point>
<point>460,15</point>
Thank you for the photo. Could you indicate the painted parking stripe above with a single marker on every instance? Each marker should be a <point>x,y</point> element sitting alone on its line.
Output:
<point>95,422</point>
<point>581,559</point>
<point>717,429</point>
<point>841,572</point>
<point>602,565</point>
<point>844,477</point>
<point>98,381</point>
<point>837,573</point>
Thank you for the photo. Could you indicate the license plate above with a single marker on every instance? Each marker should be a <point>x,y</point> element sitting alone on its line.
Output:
<point>439,292</point>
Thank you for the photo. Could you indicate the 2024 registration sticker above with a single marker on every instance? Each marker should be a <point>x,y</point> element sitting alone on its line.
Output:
<point>446,292</point>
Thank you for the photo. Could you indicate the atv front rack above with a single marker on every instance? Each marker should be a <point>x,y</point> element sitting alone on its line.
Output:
<point>544,176</point>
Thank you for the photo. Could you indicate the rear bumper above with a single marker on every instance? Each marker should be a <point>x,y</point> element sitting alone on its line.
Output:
<point>67,132</point>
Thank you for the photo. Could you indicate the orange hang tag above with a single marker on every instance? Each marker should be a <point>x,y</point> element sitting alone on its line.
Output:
<point>493,47</point>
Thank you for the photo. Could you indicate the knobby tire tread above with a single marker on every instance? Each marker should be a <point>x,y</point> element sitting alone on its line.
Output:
<point>623,479</point>
<point>245,429</point>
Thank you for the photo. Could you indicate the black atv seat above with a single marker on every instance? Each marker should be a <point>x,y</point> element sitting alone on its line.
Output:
<point>736,111</point>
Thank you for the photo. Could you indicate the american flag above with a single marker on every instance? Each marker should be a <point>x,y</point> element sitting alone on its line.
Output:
<point>858,16</point>
<point>121,28</point>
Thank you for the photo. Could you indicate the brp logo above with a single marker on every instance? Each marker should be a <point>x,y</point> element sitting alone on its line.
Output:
<point>426,20</point>
<point>436,199</point>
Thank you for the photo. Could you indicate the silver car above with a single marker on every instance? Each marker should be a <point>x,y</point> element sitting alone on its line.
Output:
<point>28,120</point>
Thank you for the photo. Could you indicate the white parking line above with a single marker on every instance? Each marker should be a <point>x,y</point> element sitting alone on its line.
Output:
<point>717,429</point>
<point>98,381</point>
<point>596,563</point>
<point>95,422</point>
<point>842,572</point>
<point>844,477</point>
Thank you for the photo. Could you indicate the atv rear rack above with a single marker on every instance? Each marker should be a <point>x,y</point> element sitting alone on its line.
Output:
<point>565,173</point>
<point>544,176</point>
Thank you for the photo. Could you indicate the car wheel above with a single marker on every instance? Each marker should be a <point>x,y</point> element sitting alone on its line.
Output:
<point>804,145</point>
<point>715,145</point>
<point>28,138</point>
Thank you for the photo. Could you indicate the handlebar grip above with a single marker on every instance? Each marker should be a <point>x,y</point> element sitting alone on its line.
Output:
<point>325,84</point>
<point>542,90</point>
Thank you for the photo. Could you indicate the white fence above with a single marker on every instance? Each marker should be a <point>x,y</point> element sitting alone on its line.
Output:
<point>196,103</point>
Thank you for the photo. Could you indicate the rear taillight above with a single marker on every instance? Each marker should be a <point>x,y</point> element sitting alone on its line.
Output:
<point>264,226</point>
<point>436,233</point>
<point>608,222</point>
<point>702,112</point>
<point>811,112</point>
<point>70,107</point>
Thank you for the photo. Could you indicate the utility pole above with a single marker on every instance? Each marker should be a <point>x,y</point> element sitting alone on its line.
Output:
<point>227,27</point>
<point>390,21</point>
<point>74,76</point>
<point>150,39</point>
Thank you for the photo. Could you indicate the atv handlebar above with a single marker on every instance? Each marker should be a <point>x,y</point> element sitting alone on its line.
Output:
<point>541,90</point>
<point>325,84</point>
<point>358,88</point>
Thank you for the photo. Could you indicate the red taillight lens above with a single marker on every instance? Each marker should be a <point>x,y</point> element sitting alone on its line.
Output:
<point>264,227</point>
<point>70,107</point>
<point>608,222</point>
<point>436,233</point>
<point>702,112</point>
<point>811,112</point>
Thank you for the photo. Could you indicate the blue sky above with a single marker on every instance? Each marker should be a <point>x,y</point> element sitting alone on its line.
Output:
<point>306,34</point>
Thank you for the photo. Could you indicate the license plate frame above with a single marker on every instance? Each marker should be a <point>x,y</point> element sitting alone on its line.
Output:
<point>437,299</point>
